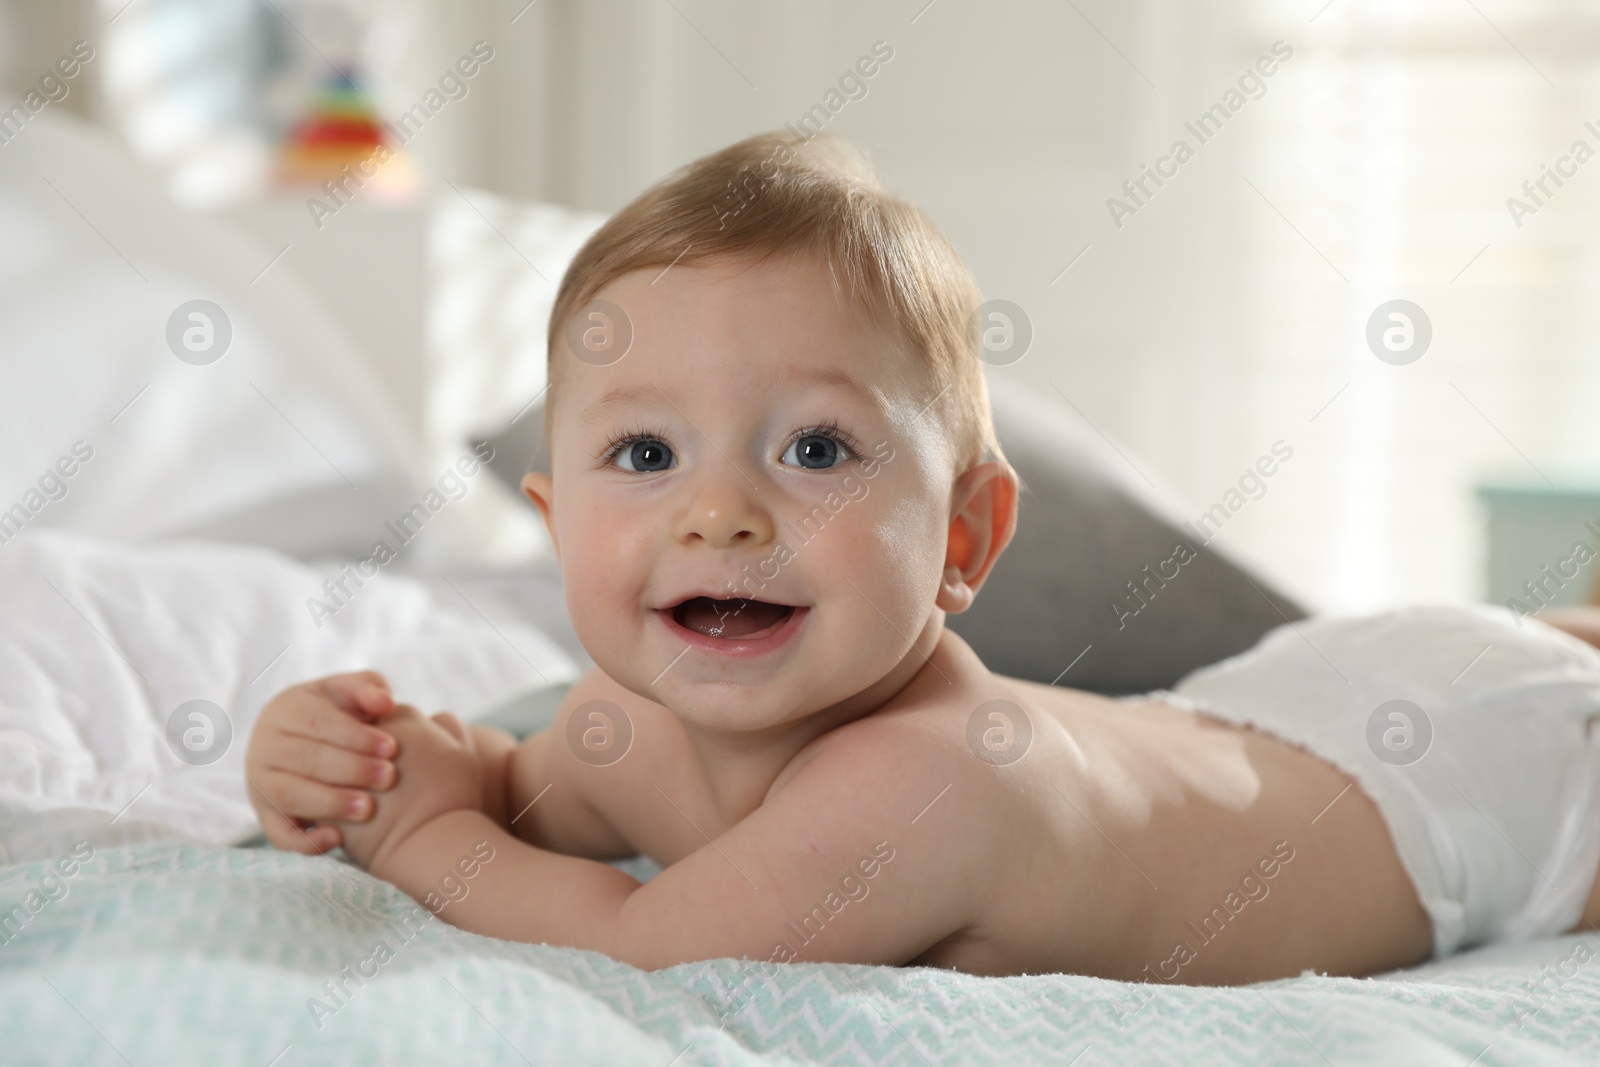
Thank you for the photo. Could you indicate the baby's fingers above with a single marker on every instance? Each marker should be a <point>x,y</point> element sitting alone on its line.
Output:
<point>364,693</point>
<point>329,764</point>
<point>300,798</point>
<point>321,721</point>
<point>286,834</point>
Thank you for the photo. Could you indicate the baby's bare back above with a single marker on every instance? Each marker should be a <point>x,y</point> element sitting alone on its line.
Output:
<point>1146,842</point>
<point>1043,829</point>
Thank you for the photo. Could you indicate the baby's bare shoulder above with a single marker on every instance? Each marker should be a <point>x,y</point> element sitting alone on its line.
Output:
<point>948,730</point>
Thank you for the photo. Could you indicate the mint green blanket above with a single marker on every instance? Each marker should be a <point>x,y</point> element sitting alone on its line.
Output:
<point>178,954</point>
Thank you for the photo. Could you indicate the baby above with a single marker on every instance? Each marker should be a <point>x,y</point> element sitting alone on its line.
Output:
<point>771,474</point>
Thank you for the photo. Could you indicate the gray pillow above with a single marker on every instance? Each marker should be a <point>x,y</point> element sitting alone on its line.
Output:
<point>1088,526</point>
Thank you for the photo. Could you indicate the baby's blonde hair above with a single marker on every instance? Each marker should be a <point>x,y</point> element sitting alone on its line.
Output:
<point>780,192</point>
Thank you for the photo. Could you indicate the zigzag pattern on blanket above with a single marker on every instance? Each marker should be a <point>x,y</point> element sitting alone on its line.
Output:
<point>205,955</point>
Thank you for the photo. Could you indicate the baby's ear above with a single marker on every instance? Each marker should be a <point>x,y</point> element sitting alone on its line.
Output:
<point>540,489</point>
<point>983,516</point>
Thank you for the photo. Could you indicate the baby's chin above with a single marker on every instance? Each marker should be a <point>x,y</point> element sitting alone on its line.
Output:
<point>740,707</point>
<point>730,710</point>
<point>753,704</point>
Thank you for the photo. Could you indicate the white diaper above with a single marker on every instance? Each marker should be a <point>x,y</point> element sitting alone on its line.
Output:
<point>1498,821</point>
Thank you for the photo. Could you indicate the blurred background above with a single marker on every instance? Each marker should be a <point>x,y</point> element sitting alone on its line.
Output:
<point>1198,325</point>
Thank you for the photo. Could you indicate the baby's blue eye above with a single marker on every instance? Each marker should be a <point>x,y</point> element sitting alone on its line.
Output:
<point>645,456</point>
<point>815,451</point>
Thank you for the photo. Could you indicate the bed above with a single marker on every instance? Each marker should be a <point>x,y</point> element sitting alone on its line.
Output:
<point>195,954</point>
<point>142,922</point>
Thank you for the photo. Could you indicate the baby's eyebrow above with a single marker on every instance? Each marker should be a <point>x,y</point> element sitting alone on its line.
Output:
<point>623,394</point>
<point>820,376</point>
<point>628,394</point>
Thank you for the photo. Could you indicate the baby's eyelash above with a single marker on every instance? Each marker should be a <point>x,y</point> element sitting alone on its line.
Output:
<point>829,430</point>
<point>632,437</point>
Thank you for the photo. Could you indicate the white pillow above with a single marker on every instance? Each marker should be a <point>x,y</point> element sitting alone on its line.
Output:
<point>494,265</point>
<point>285,440</point>
<point>101,644</point>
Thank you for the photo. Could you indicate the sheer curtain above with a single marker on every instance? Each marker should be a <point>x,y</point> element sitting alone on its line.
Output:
<point>1378,167</point>
<point>1230,313</point>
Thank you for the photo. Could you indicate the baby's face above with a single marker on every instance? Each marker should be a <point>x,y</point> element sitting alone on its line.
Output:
<point>752,505</point>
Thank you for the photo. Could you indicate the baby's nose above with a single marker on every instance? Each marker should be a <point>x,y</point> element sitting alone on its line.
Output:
<point>722,515</point>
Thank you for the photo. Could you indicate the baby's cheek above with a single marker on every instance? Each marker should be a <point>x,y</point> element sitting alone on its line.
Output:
<point>886,551</point>
<point>911,535</point>
<point>601,571</point>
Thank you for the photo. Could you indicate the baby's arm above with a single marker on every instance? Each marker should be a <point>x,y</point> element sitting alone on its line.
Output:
<point>830,867</point>
<point>550,792</point>
<point>317,755</point>
<point>496,751</point>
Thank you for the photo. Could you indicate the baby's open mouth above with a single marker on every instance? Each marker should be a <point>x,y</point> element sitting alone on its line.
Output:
<point>731,619</point>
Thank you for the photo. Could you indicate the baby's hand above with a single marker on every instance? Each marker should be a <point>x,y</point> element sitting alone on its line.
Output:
<point>312,756</point>
<point>439,772</point>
